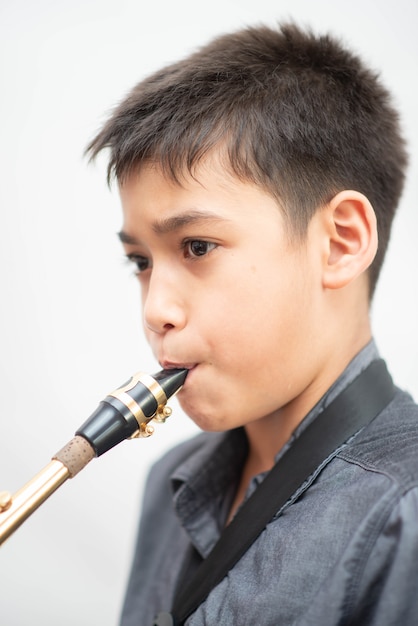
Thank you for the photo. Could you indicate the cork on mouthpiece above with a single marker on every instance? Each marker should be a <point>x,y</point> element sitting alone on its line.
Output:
<point>75,455</point>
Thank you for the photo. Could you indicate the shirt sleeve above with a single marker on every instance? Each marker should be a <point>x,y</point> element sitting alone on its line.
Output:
<point>376,581</point>
<point>385,591</point>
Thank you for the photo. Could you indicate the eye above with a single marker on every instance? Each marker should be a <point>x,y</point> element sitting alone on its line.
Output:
<point>197,247</point>
<point>141,263</point>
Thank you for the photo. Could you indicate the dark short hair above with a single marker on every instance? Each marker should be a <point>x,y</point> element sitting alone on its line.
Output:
<point>294,112</point>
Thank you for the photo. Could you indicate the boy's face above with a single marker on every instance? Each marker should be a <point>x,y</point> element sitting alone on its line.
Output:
<point>225,293</point>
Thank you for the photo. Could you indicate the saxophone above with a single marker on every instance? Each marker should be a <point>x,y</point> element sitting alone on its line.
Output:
<point>124,413</point>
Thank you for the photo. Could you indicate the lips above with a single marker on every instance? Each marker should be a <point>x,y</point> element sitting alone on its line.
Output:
<point>169,365</point>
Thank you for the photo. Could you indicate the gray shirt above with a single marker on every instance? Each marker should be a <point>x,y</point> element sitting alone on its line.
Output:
<point>343,550</point>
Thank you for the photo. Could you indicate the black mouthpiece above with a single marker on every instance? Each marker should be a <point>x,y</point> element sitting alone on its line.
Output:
<point>171,380</point>
<point>119,415</point>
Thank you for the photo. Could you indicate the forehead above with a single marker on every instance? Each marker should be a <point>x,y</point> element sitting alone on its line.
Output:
<point>210,189</point>
<point>151,177</point>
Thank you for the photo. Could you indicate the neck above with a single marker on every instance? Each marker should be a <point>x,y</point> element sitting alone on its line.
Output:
<point>268,435</point>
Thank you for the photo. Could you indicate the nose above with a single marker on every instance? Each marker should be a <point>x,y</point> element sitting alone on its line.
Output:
<point>163,307</point>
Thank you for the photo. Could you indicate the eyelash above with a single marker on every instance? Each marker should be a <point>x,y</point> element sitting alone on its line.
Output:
<point>143,263</point>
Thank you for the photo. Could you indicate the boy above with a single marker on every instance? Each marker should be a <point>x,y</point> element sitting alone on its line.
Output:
<point>259,178</point>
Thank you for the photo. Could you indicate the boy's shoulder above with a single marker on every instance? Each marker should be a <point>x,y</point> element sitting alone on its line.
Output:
<point>390,443</point>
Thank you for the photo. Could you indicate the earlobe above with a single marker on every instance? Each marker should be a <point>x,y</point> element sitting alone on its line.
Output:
<point>351,232</point>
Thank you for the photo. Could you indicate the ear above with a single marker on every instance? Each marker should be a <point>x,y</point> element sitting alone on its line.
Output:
<point>351,232</point>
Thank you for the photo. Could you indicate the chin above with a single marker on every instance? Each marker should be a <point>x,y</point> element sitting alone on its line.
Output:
<point>207,418</point>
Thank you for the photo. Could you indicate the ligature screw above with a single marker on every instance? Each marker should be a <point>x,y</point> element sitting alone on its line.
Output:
<point>162,413</point>
<point>146,430</point>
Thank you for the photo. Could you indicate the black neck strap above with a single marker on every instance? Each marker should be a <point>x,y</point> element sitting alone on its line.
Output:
<point>356,406</point>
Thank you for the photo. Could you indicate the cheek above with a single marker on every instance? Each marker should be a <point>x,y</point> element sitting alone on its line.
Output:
<point>269,316</point>
<point>238,330</point>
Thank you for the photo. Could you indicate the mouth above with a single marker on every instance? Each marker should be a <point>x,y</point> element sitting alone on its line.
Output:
<point>170,365</point>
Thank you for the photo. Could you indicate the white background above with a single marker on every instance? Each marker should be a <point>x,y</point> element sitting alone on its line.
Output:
<point>69,317</point>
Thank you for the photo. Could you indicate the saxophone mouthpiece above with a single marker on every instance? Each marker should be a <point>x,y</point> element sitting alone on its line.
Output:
<point>171,380</point>
<point>129,408</point>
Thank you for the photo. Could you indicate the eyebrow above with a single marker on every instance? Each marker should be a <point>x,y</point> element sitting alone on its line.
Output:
<point>175,222</point>
<point>125,237</point>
